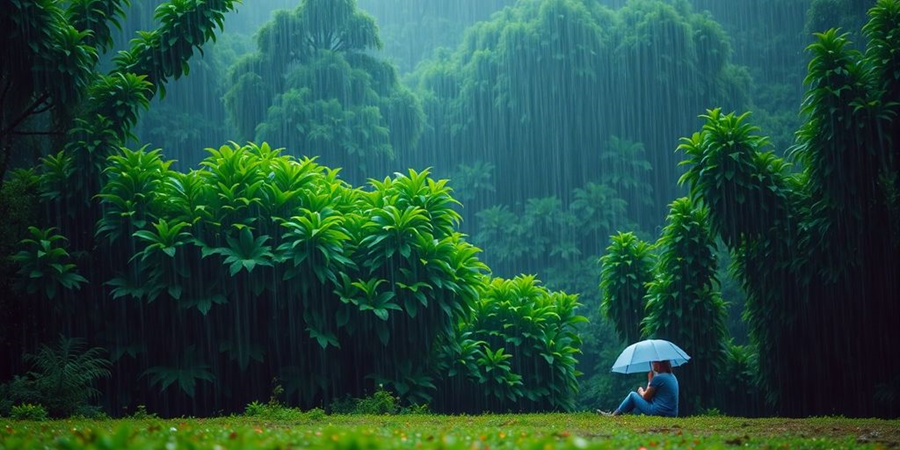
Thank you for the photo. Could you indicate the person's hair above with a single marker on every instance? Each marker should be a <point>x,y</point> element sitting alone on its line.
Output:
<point>665,366</point>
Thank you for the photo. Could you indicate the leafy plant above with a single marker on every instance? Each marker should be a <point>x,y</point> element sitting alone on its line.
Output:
<point>62,376</point>
<point>141,413</point>
<point>518,347</point>
<point>45,266</point>
<point>626,169</point>
<point>472,182</point>
<point>269,411</point>
<point>627,268</point>
<point>246,252</point>
<point>185,374</point>
<point>684,305</point>
<point>167,238</point>
<point>27,411</point>
<point>381,402</point>
<point>328,95</point>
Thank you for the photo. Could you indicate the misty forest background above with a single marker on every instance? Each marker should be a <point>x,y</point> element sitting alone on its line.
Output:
<point>204,279</point>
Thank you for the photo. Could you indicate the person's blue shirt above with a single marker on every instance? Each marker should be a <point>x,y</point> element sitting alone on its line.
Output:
<point>665,398</point>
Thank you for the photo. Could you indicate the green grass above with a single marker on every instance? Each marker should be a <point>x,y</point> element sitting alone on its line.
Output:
<point>544,431</point>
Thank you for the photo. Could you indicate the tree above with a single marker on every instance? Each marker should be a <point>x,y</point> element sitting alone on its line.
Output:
<point>312,85</point>
<point>684,305</point>
<point>490,99</point>
<point>817,250</point>
<point>53,96</point>
<point>627,268</point>
<point>49,76</point>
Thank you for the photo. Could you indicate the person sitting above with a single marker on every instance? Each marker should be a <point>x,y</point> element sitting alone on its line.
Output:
<point>659,399</point>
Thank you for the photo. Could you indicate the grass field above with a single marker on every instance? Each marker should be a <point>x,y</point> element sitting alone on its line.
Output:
<point>544,431</point>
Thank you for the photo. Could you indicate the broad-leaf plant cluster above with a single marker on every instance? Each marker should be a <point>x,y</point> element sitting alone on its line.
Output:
<point>202,286</point>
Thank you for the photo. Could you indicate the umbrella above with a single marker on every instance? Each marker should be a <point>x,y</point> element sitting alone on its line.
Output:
<point>637,357</point>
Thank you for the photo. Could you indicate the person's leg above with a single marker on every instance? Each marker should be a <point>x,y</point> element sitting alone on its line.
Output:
<point>642,406</point>
<point>634,402</point>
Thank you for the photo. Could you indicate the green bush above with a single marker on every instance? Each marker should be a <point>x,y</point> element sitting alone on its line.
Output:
<point>62,378</point>
<point>315,414</point>
<point>28,411</point>
<point>141,413</point>
<point>45,265</point>
<point>271,411</point>
<point>379,403</point>
<point>516,351</point>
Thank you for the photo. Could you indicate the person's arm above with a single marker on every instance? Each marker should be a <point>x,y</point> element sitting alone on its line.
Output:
<point>648,393</point>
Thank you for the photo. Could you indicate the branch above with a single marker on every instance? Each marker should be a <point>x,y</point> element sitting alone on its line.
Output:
<point>37,133</point>
<point>31,110</point>
<point>44,109</point>
<point>6,89</point>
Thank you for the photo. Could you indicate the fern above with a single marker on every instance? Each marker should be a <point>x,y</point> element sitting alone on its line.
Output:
<point>64,374</point>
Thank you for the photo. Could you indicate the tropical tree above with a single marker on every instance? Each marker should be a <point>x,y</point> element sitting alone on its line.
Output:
<point>50,82</point>
<point>326,95</point>
<point>496,79</point>
<point>684,305</point>
<point>627,269</point>
<point>807,243</point>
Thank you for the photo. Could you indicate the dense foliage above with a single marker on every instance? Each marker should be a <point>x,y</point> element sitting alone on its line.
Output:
<point>314,86</point>
<point>61,380</point>
<point>209,280</point>
<point>328,288</point>
<point>615,75</point>
<point>627,268</point>
<point>54,95</point>
<point>818,249</point>
<point>413,29</point>
<point>518,349</point>
<point>684,305</point>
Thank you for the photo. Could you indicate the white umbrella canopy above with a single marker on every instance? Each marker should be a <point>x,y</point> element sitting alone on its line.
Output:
<point>638,356</point>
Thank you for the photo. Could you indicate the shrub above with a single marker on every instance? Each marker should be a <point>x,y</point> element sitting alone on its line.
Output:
<point>315,414</point>
<point>420,409</point>
<point>273,411</point>
<point>380,403</point>
<point>516,351</point>
<point>63,376</point>
<point>141,413</point>
<point>28,411</point>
